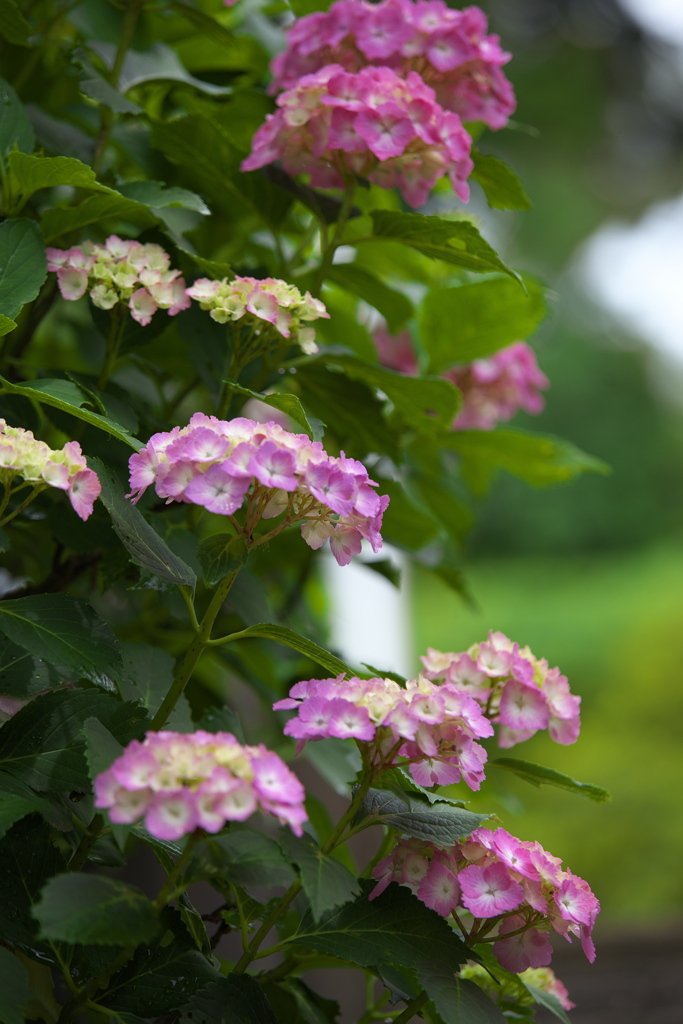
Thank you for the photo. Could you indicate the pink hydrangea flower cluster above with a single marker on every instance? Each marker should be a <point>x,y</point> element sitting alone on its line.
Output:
<point>496,388</point>
<point>65,468</point>
<point>182,782</point>
<point>434,727</point>
<point>546,980</point>
<point>373,124</point>
<point>218,463</point>
<point>493,389</point>
<point>120,272</point>
<point>261,302</point>
<point>449,48</point>
<point>519,692</point>
<point>504,883</point>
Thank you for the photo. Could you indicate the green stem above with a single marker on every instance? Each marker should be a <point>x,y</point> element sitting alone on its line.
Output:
<point>27,501</point>
<point>329,250</point>
<point>202,640</point>
<point>116,329</point>
<point>170,888</point>
<point>86,844</point>
<point>108,117</point>
<point>413,1007</point>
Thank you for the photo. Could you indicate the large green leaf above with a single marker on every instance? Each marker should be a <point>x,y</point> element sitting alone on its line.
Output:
<point>92,909</point>
<point>14,808</point>
<point>237,999</point>
<point>502,187</point>
<point>220,554</point>
<point>161,977</point>
<point>15,127</point>
<point>538,459</point>
<point>158,63</point>
<point>547,1000</point>
<point>395,307</point>
<point>14,986</point>
<point>204,23</point>
<point>404,523</point>
<point>6,325</point>
<point>69,397</point>
<point>158,195</point>
<point>293,1001</point>
<point>440,823</point>
<point>146,548</point>
<point>59,220</point>
<point>101,748</point>
<point>539,775</point>
<point>28,174</point>
<point>282,635</point>
<point>21,674</point>
<point>350,409</point>
<point>147,677</point>
<point>43,744</point>
<point>64,631</point>
<point>23,266</point>
<point>246,859</point>
<point>28,858</point>
<point>457,1000</point>
<point>454,241</point>
<point>343,327</point>
<point>395,928</point>
<point>327,883</point>
<point>429,404</point>
<point>475,320</point>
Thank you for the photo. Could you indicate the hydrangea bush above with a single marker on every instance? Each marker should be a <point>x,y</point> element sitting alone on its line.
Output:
<point>165,668</point>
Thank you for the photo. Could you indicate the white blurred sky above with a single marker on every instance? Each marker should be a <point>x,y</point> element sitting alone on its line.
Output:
<point>635,270</point>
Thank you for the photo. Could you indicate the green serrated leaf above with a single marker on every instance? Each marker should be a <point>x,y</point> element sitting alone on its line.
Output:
<point>147,677</point>
<point>403,522</point>
<point>28,174</point>
<point>538,459</point>
<point>502,187</point>
<point>64,631</point>
<point>457,1000</point>
<point>395,928</point>
<point>157,63</point>
<point>220,554</point>
<point>282,635</point>
<point>14,808</point>
<point>28,858</point>
<point>204,23</point>
<point>15,127</point>
<point>337,761</point>
<point>326,882</point>
<point>293,1001</point>
<point>471,321</point>
<point>79,908</point>
<point>454,241</point>
<point>68,397</point>
<point>237,999</point>
<point>13,24</point>
<point>246,858</point>
<point>539,775</point>
<point>60,220</point>
<point>289,404</point>
<point>6,325</point>
<point>440,823</point>
<point>429,404</point>
<point>140,540</point>
<point>22,675</point>
<point>101,748</point>
<point>158,194</point>
<point>23,266</point>
<point>14,986</point>
<point>43,744</point>
<point>395,307</point>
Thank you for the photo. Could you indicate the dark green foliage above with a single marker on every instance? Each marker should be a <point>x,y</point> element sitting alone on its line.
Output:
<point>90,909</point>
<point>412,815</point>
<point>327,883</point>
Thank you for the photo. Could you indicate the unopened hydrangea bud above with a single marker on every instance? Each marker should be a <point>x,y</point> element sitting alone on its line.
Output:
<point>449,48</point>
<point>373,124</point>
<point>120,272</point>
<point>259,302</point>
<point>516,885</point>
<point>65,468</point>
<point>179,782</point>
<point>223,464</point>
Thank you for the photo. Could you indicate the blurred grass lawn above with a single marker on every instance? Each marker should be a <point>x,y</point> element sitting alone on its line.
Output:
<point>614,625</point>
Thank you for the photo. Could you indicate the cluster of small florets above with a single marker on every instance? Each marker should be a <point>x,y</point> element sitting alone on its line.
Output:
<point>65,468</point>
<point>261,302</point>
<point>120,272</point>
<point>449,48</point>
<point>506,884</point>
<point>520,693</point>
<point>493,389</point>
<point>218,464</point>
<point>433,727</point>
<point>199,780</point>
<point>373,124</point>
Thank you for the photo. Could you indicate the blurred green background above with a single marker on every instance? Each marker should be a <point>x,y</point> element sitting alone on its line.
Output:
<point>590,575</point>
